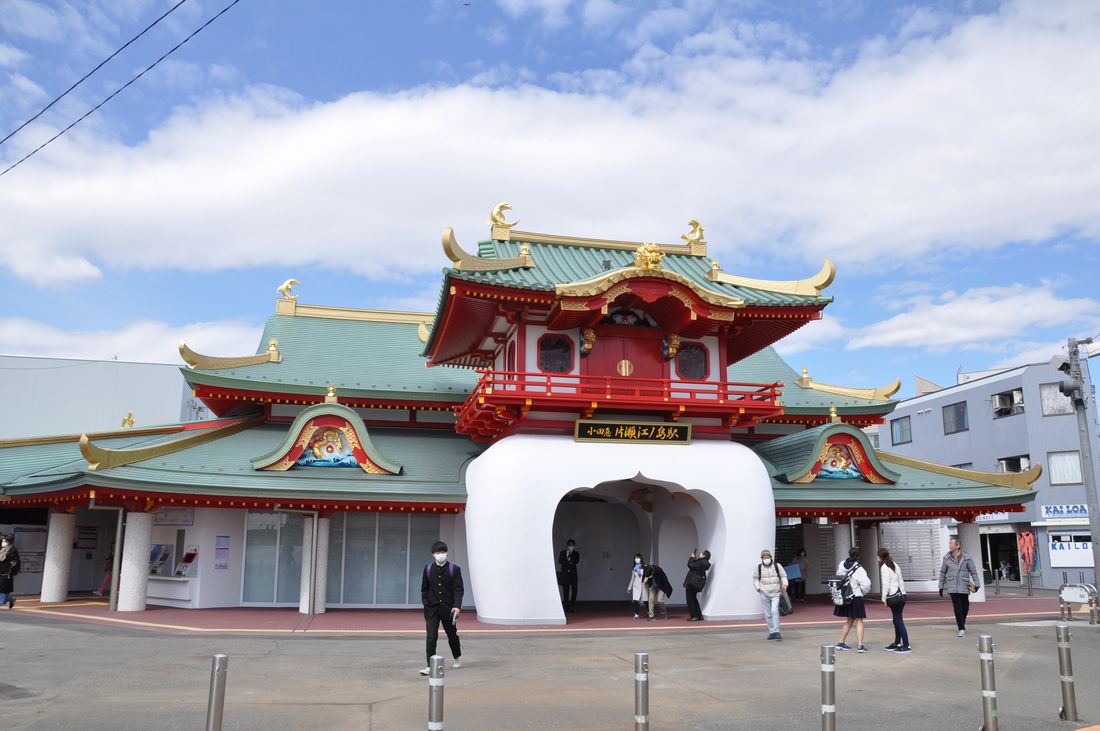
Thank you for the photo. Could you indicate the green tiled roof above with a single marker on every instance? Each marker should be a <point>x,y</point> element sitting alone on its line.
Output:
<point>32,464</point>
<point>558,264</point>
<point>363,359</point>
<point>792,456</point>
<point>433,467</point>
<point>766,366</point>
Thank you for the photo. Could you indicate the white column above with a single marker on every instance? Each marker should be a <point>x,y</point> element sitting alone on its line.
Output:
<point>133,588</point>
<point>971,541</point>
<point>307,553</point>
<point>59,557</point>
<point>323,524</point>
<point>842,541</point>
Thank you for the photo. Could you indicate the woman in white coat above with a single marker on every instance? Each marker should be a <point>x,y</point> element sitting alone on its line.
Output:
<point>893,596</point>
<point>855,612</point>
<point>635,587</point>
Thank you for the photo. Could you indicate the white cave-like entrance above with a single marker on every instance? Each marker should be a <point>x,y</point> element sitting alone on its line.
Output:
<point>714,495</point>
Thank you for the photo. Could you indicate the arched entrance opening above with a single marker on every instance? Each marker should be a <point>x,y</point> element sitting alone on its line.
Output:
<point>614,520</point>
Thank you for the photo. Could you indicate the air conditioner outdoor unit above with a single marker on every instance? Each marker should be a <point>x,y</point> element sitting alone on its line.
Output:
<point>1002,401</point>
<point>1017,397</point>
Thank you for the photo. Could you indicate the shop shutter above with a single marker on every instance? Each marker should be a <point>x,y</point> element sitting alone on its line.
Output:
<point>914,544</point>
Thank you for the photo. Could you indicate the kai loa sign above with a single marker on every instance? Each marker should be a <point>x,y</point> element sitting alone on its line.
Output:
<point>640,432</point>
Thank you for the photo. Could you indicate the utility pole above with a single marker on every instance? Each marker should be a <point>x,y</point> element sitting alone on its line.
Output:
<point>1074,387</point>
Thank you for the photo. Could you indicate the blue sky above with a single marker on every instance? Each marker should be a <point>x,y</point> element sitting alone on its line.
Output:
<point>945,155</point>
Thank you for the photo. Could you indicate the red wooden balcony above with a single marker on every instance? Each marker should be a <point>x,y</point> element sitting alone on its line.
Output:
<point>502,401</point>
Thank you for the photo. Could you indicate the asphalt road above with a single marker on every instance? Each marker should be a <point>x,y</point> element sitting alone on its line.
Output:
<point>58,674</point>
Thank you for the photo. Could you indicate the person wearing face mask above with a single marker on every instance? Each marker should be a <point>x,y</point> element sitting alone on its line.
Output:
<point>770,581</point>
<point>636,587</point>
<point>9,567</point>
<point>567,575</point>
<point>441,590</point>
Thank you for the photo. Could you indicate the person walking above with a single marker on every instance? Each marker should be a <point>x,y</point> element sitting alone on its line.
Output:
<point>659,588</point>
<point>105,584</point>
<point>855,612</point>
<point>770,581</point>
<point>893,596</point>
<point>798,585</point>
<point>957,575</point>
<point>636,588</point>
<point>441,590</point>
<point>9,567</point>
<point>567,575</point>
<point>695,582</point>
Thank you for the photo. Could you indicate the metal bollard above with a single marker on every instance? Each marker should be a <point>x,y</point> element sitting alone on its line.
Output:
<point>641,691</point>
<point>435,693</point>
<point>215,705</point>
<point>828,688</point>
<point>989,683</point>
<point>1068,711</point>
<point>1094,609</point>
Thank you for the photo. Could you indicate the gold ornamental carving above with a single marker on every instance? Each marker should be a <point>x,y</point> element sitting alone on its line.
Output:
<point>673,345</point>
<point>467,262</point>
<point>624,367</point>
<point>648,257</point>
<point>589,337</point>
<point>695,233</point>
<point>202,362</point>
<point>128,420</point>
<point>809,287</point>
<point>285,287</point>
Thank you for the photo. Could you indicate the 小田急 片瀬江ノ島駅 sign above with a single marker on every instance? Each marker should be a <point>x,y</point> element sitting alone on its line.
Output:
<point>632,431</point>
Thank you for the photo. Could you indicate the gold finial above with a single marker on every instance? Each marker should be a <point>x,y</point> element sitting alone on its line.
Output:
<point>497,216</point>
<point>524,250</point>
<point>834,418</point>
<point>285,287</point>
<point>330,397</point>
<point>714,265</point>
<point>695,234</point>
<point>648,257</point>
<point>128,420</point>
<point>273,345</point>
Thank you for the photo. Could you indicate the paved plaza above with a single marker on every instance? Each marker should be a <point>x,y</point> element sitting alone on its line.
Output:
<point>63,673</point>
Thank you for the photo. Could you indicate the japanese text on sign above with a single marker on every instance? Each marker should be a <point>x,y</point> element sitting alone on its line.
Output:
<point>630,431</point>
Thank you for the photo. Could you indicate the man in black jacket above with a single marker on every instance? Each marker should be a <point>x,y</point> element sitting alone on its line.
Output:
<point>567,564</point>
<point>441,591</point>
<point>660,588</point>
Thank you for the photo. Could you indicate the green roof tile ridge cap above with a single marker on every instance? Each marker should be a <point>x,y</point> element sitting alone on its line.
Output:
<point>345,412</point>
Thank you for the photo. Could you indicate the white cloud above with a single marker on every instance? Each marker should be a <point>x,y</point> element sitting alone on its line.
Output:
<point>602,15</point>
<point>937,146</point>
<point>47,269</point>
<point>495,33</point>
<point>554,14</point>
<point>986,318</point>
<point>147,341</point>
<point>825,334</point>
<point>11,56</point>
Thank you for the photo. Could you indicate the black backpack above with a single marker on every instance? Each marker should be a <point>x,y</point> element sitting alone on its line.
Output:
<point>840,587</point>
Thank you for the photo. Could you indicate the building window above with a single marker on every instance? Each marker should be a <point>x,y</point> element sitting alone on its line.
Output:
<point>954,418</point>
<point>1053,401</point>
<point>1065,468</point>
<point>1008,403</point>
<point>900,432</point>
<point>964,466</point>
<point>1019,463</point>
<point>692,362</point>
<point>873,438</point>
<point>555,354</point>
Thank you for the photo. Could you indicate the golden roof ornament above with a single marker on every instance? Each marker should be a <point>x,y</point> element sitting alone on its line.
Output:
<point>273,345</point>
<point>285,287</point>
<point>648,257</point>
<point>128,420</point>
<point>834,418</point>
<point>695,233</point>
<point>330,397</point>
<point>496,218</point>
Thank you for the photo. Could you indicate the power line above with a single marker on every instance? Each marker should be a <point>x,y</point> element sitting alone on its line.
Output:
<point>117,91</point>
<point>84,78</point>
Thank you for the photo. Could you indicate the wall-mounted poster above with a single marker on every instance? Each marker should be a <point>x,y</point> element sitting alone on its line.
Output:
<point>221,553</point>
<point>1070,550</point>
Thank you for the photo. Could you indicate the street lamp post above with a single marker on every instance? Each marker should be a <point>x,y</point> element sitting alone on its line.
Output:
<point>1074,387</point>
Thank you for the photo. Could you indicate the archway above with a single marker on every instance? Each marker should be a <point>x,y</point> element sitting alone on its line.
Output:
<point>514,489</point>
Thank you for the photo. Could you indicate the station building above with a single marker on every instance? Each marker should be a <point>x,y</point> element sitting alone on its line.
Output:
<point>624,394</point>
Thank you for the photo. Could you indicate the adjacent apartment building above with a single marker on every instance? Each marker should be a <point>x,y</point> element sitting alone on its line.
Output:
<point>1010,421</point>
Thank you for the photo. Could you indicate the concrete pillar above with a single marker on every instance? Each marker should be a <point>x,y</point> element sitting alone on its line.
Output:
<point>59,557</point>
<point>323,527</point>
<point>307,577</point>
<point>133,588</point>
<point>868,555</point>
<point>842,541</point>
<point>971,541</point>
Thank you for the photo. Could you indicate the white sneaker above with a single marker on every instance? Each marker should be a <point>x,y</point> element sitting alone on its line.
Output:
<point>426,671</point>
<point>962,633</point>
<point>456,664</point>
